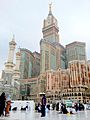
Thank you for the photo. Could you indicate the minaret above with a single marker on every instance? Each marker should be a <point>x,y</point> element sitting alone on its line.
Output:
<point>16,73</point>
<point>9,64</point>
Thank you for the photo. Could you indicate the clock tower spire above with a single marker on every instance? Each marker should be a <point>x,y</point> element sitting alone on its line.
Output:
<point>50,8</point>
<point>50,27</point>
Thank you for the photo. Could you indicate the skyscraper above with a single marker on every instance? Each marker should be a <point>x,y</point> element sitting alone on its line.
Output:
<point>75,51</point>
<point>26,64</point>
<point>50,48</point>
<point>29,64</point>
<point>36,66</point>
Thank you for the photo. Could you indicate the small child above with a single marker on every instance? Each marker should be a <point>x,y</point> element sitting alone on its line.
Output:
<point>7,109</point>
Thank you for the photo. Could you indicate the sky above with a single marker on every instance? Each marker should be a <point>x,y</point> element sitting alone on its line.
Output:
<point>24,19</point>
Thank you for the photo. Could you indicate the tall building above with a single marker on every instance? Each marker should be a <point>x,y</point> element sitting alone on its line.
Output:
<point>78,80</point>
<point>75,51</point>
<point>29,64</point>
<point>50,28</point>
<point>26,63</point>
<point>50,48</point>
<point>72,83</point>
<point>56,81</point>
<point>29,89</point>
<point>36,66</point>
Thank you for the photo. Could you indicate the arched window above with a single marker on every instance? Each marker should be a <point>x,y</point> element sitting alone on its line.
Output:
<point>75,94</point>
<point>79,94</point>
<point>67,94</point>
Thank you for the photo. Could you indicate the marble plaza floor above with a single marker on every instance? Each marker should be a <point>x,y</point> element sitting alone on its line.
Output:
<point>51,115</point>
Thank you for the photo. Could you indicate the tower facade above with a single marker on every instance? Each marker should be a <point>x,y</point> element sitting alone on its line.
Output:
<point>36,65</point>
<point>26,63</point>
<point>76,51</point>
<point>50,28</point>
<point>50,48</point>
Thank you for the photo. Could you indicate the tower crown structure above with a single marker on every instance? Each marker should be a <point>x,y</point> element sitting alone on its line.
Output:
<point>50,27</point>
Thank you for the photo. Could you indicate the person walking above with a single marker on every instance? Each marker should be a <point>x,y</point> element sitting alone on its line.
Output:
<point>57,106</point>
<point>43,104</point>
<point>2,103</point>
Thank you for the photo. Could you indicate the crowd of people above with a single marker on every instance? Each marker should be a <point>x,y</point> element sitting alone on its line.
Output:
<point>42,107</point>
<point>61,107</point>
<point>5,104</point>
